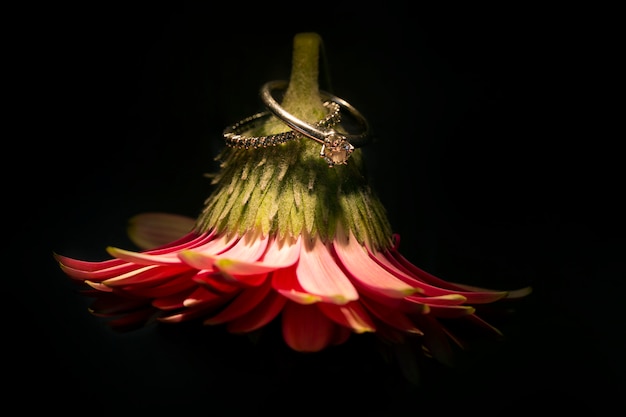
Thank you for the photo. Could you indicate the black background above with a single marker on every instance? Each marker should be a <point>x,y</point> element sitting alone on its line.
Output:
<point>495,162</point>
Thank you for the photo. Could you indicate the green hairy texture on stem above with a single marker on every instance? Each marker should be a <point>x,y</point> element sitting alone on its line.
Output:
<point>288,190</point>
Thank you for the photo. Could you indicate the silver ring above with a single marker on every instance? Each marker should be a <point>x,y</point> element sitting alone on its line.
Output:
<point>234,138</point>
<point>336,147</point>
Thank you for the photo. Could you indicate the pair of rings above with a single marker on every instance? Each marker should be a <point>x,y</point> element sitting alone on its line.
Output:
<point>336,147</point>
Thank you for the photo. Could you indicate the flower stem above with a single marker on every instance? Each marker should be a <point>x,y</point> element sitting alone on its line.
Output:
<point>288,190</point>
<point>302,97</point>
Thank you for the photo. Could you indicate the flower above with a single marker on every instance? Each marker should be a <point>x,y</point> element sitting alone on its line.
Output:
<point>323,291</point>
<point>283,237</point>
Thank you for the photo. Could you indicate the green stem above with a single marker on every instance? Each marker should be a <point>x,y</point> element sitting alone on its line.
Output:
<point>302,97</point>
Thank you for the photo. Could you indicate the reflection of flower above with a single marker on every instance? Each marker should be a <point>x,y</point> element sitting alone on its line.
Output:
<point>282,237</point>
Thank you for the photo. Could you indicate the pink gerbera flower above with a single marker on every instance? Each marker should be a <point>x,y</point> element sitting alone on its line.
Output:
<point>283,237</point>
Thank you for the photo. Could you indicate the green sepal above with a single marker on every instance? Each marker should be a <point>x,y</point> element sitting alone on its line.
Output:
<point>288,190</point>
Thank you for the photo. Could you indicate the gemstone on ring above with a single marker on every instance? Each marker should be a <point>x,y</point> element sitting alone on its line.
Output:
<point>336,149</point>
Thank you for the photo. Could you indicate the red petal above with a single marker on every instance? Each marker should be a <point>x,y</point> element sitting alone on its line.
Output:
<point>244,302</point>
<point>215,282</point>
<point>258,317</point>
<point>305,328</point>
<point>178,284</point>
<point>201,310</point>
<point>392,317</point>
<point>201,295</point>
<point>351,315</point>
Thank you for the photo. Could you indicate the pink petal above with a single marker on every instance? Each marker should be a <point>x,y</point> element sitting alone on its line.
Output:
<point>249,247</point>
<point>367,272</point>
<point>87,266</point>
<point>98,275</point>
<point>282,254</point>
<point>143,258</point>
<point>433,286</point>
<point>276,256</point>
<point>146,276</point>
<point>209,250</point>
<point>319,274</point>
<point>285,281</point>
<point>244,250</point>
<point>236,267</point>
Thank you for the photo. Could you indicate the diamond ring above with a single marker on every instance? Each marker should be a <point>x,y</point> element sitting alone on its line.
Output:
<point>233,135</point>
<point>336,146</point>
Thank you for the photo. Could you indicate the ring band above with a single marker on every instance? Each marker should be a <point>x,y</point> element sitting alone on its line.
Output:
<point>234,138</point>
<point>336,147</point>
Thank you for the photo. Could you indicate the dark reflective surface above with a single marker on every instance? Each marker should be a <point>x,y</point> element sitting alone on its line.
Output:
<point>476,160</point>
